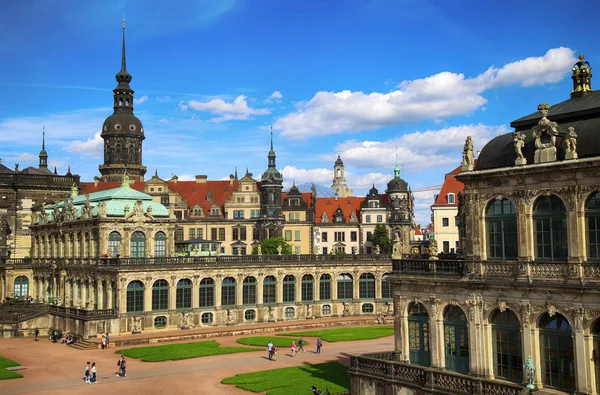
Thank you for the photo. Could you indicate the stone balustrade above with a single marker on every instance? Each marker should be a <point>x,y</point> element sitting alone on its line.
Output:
<point>383,367</point>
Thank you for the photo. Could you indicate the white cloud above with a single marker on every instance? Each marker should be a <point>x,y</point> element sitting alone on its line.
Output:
<point>93,146</point>
<point>437,97</point>
<point>25,158</point>
<point>236,110</point>
<point>162,99</point>
<point>186,177</point>
<point>140,100</point>
<point>300,176</point>
<point>274,98</point>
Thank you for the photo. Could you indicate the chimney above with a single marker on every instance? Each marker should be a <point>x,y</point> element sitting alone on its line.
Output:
<point>201,179</point>
<point>231,178</point>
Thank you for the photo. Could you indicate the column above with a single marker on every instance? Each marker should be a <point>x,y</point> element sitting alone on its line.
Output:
<point>334,277</point>
<point>398,331</point>
<point>378,285</point>
<point>148,295</point>
<point>100,289</point>
<point>259,290</point>
<point>582,368</point>
<point>239,289</point>
<point>355,287</point>
<point>68,288</point>
<point>173,294</point>
<point>298,289</point>
<point>54,287</point>
<point>196,292</point>
<point>218,285</point>
<point>109,295</point>
<point>436,335</point>
<point>316,289</point>
<point>279,290</point>
<point>122,295</point>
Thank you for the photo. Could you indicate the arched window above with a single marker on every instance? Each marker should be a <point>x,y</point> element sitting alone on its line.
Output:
<point>451,199</point>
<point>596,337</point>
<point>387,289</point>
<point>269,290</point>
<point>456,340</point>
<point>592,219</point>
<point>207,293</point>
<point>344,286</point>
<point>249,291</point>
<point>307,288</point>
<point>207,318</point>
<point>508,361</point>
<point>366,286</point>
<point>160,244</point>
<point>289,312</point>
<point>184,294</point>
<point>135,297</point>
<point>557,358</point>
<point>138,245</point>
<point>289,288</point>
<point>550,221</point>
<point>228,292</point>
<point>325,287</point>
<point>418,335</point>
<point>21,287</point>
<point>501,230</point>
<point>160,295</point>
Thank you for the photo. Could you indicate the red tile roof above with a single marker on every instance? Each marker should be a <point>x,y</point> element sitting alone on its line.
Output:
<point>195,194</point>
<point>451,185</point>
<point>306,196</point>
<point>89,187</point>
<point>329,205</point>
<point>418,231</point>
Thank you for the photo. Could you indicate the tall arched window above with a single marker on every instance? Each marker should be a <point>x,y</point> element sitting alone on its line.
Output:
<point>207,293</point>
<point>160,295</point>
<point>183,298</point>
<point>160,244</point>
<point>387,289</point>
<point>501,229</point>
<point>366,286</point>
<point>289,288</point>
<point>592,219</point>
<point>508,360</point>
<point>21,287</point>
<point>308,288</point>
<point>558,361</point>
<point>269,289</point>
<point>550,221</point>
<point>418,335</point>
<point>138,245</point>
<point>228,292</point>
<point>135,297</point>
<point>344,286</point>
<point>325,287</point>
<point>456,340</point>
<point>249,291</point>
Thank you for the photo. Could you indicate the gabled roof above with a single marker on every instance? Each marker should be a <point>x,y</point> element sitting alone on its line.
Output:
<point>194,193</point>
<point>329,205</point>
<point>4,169</point>
<point>35,170</point>
<point>418,231</point>
<point>451,185</point>
<point>306,197</point>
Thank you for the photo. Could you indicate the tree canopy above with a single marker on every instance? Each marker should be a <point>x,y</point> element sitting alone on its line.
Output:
<point>269,246</point>
<point>381,238</point>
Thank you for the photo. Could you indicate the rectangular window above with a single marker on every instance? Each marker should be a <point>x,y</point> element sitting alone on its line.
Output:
<point>235,235</point>
<point>288,235</point>
<point>200,233</point>
<point>296,235</point>
<point>369,234</point>
<point>368,218</point>
<point>324,250</point>
<point>324,236</point>
<point>445,222</point>
<point>213,233</point>
<point>353,236</point>
<point>340,236</point>
<point>243,233</point>
<point>380,218</point>
<point>446,247</point>
<point>164,200</point>
<point>179,234</point>
<point>238,214</point>
<point>221,234</point>
<point>192,234</point>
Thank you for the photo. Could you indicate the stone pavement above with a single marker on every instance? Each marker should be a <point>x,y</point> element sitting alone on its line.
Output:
<point>58,369</point>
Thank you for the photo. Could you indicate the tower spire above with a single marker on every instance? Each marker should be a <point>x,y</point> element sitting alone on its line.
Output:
<point>123,57</point>
<point>43,138</point>
<point>271,137</point>
<point>123,77</point>
<point>396,169</point>
<point>43,154</point>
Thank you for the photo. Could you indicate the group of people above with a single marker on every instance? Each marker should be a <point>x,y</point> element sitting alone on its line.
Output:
<point>272,349</point>
<point>89,373</point>
<point>68,339</point>
<point>105,341</point>
<point>381,318</point>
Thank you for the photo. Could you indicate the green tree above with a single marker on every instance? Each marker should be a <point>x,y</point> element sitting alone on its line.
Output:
<point>269,246</point>
<point>381,238</point>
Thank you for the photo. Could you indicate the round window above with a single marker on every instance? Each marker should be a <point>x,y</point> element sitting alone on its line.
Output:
<point>118,126</point>
<point>160,322</point>
<point>132,128</point>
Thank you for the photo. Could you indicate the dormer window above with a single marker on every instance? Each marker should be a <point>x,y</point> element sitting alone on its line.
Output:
<point>324,218</point>
<point>451,198</point>
<point>208,196</point>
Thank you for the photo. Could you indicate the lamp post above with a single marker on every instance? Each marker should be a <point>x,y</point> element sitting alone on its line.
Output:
<point>529,369</point>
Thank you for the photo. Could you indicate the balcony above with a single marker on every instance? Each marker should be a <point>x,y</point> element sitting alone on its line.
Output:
<point>382,368</point>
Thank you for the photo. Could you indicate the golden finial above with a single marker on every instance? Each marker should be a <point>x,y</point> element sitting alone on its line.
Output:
<point>581,57</point>
<point>125,182</point>
<point>74,190</point>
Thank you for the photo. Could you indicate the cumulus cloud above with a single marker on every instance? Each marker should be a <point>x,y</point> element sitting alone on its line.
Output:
<point>140,100</point>
<point>25,158</point>
<point>226,111</point>
<point>437,97</point>
<point>300,176</point>
<point>93,146</point>
<point>274,98</point>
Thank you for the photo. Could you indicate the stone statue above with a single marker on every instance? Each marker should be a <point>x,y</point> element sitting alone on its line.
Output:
<point>545,133</point>
<point>397,248</point>
<point>185,317</point>
<point>271,312</point>
<point>571,144</point>
<point>467,162</point>
<point>279,249</point>
<point>377,250</point>
<point>346,309</point>
<point>433,249</point>
<point>137,325</point>
<point>354,250</point>
<point>519,140</point>
<point>308,311</point>
<point>259,250</point>
<point>229,316</point>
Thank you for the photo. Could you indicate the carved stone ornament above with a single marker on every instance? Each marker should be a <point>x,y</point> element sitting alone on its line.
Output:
<point>551,309</point>
<point>545,133</point>
<point>497,182</point>
<point>571,144</point>
<point>502,306</point>
<point>519,140</point>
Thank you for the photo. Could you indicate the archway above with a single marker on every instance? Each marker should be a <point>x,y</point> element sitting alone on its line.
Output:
<point>557,357</point>
<point>456,340</point>
<point>418,335</point>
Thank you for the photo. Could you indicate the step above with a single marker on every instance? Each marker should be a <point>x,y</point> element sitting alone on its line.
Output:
<point>84,345</point>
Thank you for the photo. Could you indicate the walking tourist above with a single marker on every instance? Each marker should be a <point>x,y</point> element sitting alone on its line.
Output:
<point>293,348</point>
<point>300,345</point>
<point>107,340</point>
<point>86,373</point>
<point>94,380</point>
<point>37,334</point>
<point>270,350</point>
<point>319,344</point>
<point>274,353</point>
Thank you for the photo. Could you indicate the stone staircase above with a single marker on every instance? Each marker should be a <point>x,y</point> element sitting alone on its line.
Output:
<point>84,345</point>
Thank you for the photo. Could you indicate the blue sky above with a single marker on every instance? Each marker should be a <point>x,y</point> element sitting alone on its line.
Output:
<point>365,78</point>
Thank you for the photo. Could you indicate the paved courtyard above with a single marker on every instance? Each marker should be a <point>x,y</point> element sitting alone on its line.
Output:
<point>58,369</point>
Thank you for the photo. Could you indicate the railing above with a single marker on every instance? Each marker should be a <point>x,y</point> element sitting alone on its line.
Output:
<point>81,314</point>
<point>25,311</point>
<point>38,179</point>
<point>384,367</point>
<point>207,260</point>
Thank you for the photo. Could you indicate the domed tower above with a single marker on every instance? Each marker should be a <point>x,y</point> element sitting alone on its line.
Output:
<point>123,132</point>
<point>401,209</point>
<point>271,217</point>
<point>43,165</point>
<point>339,180</point>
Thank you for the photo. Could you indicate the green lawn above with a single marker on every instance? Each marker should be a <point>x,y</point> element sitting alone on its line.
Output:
<point>347,334</point>
<point>8,374</point>
<point>172,352</point>
<point>262,341</point>
<point>295,380</point>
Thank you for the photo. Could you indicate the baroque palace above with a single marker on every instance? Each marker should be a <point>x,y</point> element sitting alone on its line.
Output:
<point>523,306</point>
<point>122,255</point>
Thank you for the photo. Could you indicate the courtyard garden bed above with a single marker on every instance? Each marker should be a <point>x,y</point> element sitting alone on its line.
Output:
<point>346,334</point>
<point>8,374</point>
<point>262,341</point>
<point>296,380</point>
<point>173,352</point>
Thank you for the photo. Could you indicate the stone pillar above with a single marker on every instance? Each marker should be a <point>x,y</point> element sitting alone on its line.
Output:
<point>173,294</point>
<point>218,285</point>
<point>580,215</point>
<point>239,289</point>
<point>279,290</point>
<point>355,286</point>
<point>573,235</point>
<point>298,289</point>
<point>591,367</point>
<point>148,295</point>
<point>583,373</point>
<point>528,229</point>
<point>378,285</point>
<point>109,295</point>
<point>259,290</point>
<point>100,290</point>
<point>398,331</point>
<point>334,287</point>
<point>55,287</point>
<point>122,296</point>
<point>405,355</point>
<point>196,292</point>
<point>68,289</point>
